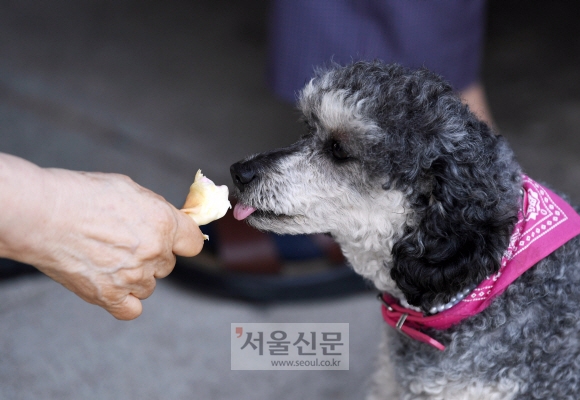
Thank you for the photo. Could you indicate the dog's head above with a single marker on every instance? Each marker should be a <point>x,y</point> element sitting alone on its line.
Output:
<point>418,191</point>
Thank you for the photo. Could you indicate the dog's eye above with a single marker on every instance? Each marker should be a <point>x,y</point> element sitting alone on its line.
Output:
<point>337,151</point>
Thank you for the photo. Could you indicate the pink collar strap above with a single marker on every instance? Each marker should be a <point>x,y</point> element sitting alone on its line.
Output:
<point>545,223</point>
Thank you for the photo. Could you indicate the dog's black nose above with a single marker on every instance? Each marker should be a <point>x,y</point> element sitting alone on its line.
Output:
<point>242,174</point>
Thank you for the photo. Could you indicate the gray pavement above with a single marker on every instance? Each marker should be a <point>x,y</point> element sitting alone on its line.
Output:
<point>54,346</point>
<point>156,90</point>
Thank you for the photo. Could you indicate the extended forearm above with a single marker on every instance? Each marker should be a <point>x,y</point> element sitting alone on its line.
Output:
<point>25,203</point>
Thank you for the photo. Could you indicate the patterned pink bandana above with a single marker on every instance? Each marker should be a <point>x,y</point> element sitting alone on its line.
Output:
<point>545,223</point>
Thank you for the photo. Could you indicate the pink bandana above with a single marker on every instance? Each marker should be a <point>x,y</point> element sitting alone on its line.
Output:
<point>544,224</point>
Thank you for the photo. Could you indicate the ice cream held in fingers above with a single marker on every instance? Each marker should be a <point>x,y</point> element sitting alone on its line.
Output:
<point>206,202</point>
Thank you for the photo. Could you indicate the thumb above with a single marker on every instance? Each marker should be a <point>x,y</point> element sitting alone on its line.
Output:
<point>188,239</point>
<point>129,308</point>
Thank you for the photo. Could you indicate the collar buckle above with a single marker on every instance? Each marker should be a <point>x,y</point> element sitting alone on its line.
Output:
<point>401,322</point>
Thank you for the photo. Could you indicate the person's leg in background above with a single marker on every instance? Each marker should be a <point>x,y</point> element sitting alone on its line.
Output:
<point>445,36</point>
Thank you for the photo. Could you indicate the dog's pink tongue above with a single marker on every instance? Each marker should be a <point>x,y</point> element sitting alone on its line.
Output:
<point>242,212</point>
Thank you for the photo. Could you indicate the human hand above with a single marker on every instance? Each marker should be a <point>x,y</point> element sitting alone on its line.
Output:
<point>103,237</point>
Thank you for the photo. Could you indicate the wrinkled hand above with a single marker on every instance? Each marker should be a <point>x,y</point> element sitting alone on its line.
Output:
<point>105,238</point>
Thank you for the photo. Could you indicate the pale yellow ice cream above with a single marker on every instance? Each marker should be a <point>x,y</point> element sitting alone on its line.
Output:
<point>206,202</point>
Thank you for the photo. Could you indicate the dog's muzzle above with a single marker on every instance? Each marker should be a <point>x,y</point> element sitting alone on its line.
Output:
<point>247,171</point>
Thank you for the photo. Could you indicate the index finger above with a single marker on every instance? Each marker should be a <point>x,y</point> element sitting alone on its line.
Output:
<point>188,239</point>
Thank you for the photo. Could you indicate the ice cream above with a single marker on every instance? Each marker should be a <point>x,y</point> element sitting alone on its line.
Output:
<point>206,202</point>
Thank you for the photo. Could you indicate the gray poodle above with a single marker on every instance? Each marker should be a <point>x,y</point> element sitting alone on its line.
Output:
<point>431,206</point>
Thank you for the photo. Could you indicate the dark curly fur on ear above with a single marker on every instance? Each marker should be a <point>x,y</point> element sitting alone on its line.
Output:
<point>463,182</point>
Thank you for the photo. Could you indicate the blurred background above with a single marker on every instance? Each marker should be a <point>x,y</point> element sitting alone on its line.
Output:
<point>158,89</point>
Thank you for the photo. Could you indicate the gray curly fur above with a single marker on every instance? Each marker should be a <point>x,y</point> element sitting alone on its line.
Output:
<point>423,198</point>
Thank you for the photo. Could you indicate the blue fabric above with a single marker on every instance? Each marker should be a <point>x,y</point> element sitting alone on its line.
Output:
<point>299,247</point>
<point>445,36</point>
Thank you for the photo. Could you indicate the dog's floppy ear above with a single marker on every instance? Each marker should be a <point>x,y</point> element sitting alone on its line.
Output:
<point>465,211</point>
